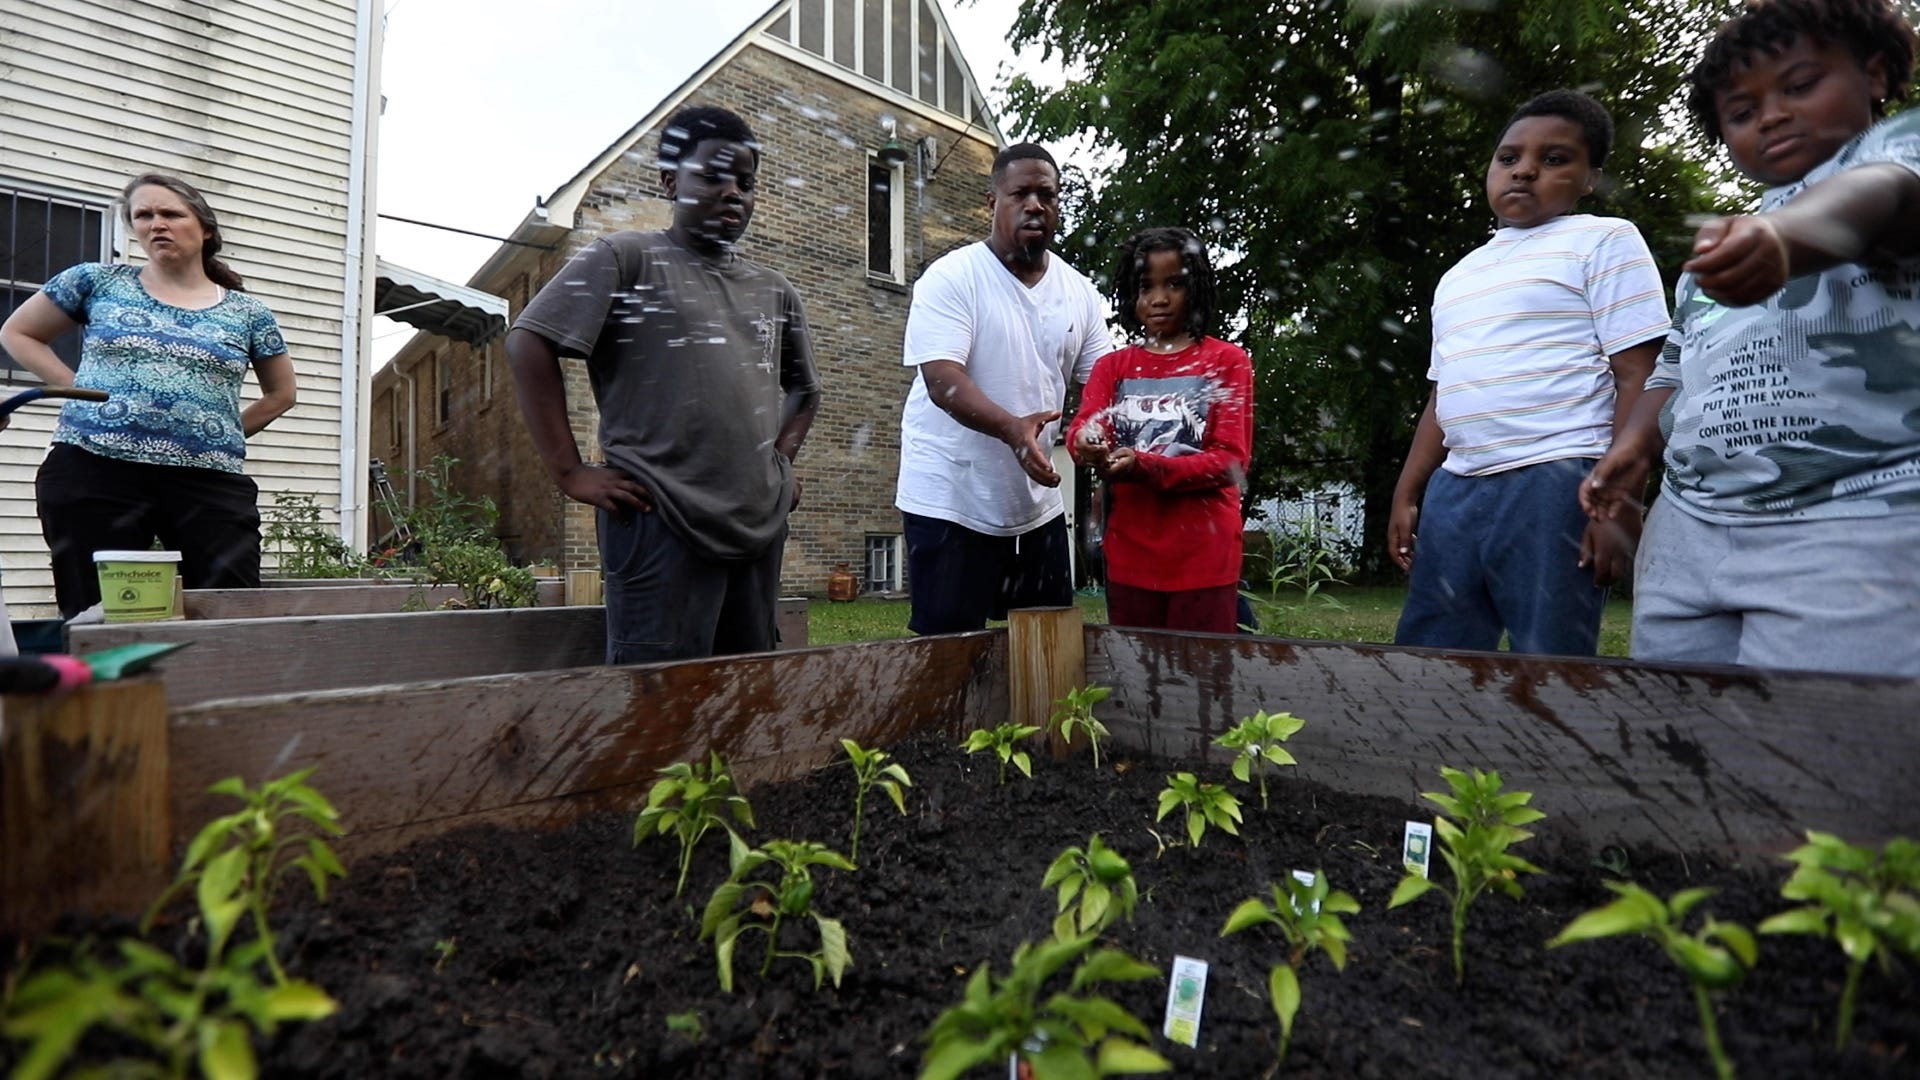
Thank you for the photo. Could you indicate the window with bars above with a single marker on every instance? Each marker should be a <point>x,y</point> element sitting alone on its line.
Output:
<point>41,235</point>
<point>883,563</point>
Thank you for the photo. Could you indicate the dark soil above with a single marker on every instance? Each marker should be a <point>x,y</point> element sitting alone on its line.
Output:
<point>569,952</point>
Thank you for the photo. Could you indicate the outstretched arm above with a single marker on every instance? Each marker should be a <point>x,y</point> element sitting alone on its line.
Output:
<point>543,401</point>
<point>954,391</point>
<point>1869,212</point>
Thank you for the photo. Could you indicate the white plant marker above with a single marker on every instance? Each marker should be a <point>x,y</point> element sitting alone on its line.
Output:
<point>1416,850</point>
<point>1307,878</point>
<point>1186,990</point>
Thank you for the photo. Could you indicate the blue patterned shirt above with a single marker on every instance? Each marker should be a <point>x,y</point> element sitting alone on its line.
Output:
<point>174,373</point>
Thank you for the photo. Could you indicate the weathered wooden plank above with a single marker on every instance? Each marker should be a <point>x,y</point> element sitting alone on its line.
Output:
<point>1046,658</point>
<point>254,657</point>
<point>1716,759</point>
<point>333,600</point>
<point>85,819</point>
<point>536,750</point>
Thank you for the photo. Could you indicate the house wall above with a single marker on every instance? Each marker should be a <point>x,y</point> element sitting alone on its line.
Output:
<point>251,102</point>
<point>810,224</point>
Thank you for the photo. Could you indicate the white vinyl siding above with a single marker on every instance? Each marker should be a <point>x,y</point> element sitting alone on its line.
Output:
<point>252,102</point>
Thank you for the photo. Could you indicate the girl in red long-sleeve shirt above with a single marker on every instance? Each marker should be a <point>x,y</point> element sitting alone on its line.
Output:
<point>1168,424</point>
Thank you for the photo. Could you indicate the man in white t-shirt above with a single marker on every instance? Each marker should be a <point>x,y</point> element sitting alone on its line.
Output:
<point>996,329</point>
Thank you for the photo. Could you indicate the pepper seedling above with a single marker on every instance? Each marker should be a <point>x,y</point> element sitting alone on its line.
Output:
<point>689,801</point>
<point>1095,885</point>
<point>1054,1035</point>
<point>1074,713</point>
<point>1714,957</point>
<point>1868,902</point>
<point>1003,740</point>
<point>259,842</point>
<point>1256,741</point>
<point>1206,804</point>
<point>741,904</point>
<point>194,1015</point>
<point>1308,917</point>
<point>871,767</point>
<point>1481,822</point>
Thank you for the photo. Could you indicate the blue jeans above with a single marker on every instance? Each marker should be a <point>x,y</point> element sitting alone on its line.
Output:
<point>1502,552</point>
<point>666,601</point>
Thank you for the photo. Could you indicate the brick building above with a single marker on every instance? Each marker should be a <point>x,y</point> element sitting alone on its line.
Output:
<point>876,148</point>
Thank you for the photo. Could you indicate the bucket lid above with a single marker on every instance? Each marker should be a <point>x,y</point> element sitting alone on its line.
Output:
<point>136,556</point>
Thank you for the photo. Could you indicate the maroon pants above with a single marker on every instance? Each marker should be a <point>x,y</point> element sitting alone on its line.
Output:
<point>1212,611</point>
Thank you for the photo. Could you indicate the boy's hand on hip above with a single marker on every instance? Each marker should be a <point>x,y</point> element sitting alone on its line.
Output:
<point>1739,260</point>
<point>1024,439</point>
<point>1400,535</point>
<point>1607,547</point>
<point>608,489</point>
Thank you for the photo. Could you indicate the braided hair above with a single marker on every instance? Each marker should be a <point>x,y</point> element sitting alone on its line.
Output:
<point>1133,267</point>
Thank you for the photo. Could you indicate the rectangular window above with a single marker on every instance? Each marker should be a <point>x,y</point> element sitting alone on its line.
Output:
<point>398,424</point>
<point>41,235</point>
<point>442,388</point>
<point>886,220</point>
<point>486,372</point>
<point>883,563</point>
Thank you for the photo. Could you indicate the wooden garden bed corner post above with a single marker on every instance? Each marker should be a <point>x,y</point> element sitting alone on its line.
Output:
<point>1046,658</point>
<point>85,823</point>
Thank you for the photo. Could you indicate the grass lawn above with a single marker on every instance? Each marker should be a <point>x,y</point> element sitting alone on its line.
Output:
<point>1339,613</point>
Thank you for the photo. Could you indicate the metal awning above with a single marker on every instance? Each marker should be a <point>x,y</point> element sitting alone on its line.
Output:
<point>438,307</point>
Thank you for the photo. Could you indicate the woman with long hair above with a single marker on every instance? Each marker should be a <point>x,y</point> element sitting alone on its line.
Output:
<point>171,341</point>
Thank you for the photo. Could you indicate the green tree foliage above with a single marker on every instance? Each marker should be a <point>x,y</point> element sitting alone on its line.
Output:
<point>1333,157</point>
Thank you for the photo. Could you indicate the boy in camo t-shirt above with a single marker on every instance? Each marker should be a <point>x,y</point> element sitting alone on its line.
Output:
<point>1788,395</point>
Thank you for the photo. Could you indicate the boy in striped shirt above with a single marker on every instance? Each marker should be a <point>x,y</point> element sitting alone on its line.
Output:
<point>1542,340</point>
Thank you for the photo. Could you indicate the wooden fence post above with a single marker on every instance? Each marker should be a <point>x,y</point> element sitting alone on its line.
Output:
<point>1046,657</point>
<point>584,587</point>
<point>85,819</point>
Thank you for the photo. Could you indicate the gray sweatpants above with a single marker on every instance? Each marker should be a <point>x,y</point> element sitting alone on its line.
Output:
<point>1825,595</point>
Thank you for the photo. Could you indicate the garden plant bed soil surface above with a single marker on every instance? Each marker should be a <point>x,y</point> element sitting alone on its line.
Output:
<point>569,952</point>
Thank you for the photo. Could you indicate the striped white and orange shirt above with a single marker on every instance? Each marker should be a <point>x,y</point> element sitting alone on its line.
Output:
<point>1522,329</point>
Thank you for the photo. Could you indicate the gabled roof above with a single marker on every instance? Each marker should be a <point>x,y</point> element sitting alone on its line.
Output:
<point>831,36</point>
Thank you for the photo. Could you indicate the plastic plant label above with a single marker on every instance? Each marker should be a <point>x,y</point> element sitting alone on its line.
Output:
<point>1186,990</point>
<point>1416,851</point>
<point>1306,877</point>
<point>1019,1070</point>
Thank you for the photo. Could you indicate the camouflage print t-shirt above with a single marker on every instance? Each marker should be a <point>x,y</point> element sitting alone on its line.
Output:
<point>1806,406</point>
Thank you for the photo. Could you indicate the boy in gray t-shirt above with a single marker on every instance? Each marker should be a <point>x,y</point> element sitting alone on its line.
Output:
<point>702,366</point>
<point>1787,395</point>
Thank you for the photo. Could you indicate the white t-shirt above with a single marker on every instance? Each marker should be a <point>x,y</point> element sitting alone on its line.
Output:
<point>1522,329</point>
<point>1020,345</point>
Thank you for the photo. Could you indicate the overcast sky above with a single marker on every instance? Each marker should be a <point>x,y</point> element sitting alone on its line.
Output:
<point>487,108</point>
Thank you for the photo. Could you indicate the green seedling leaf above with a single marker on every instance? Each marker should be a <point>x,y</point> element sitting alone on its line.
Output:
<point>1715,957</point>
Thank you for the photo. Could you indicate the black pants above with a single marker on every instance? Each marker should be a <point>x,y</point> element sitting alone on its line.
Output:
<point>90,503</point>
<point>960,578</point>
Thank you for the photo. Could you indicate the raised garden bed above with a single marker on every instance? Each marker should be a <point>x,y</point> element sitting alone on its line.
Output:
<point>491,951</point>
<point>1722,766</point>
